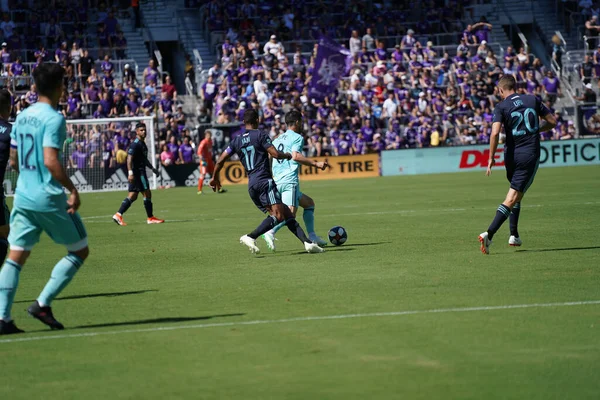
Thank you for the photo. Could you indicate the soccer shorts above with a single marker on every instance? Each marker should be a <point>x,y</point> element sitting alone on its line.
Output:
<point>520,171</point>
<point>140,182</point>
<point>290,194</point>
<point>208,169</point>
<point>26,226</point>
<point>264,194</point>
<point>4,213</point>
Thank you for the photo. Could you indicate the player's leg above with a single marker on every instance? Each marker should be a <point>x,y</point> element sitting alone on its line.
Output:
<point>66,229</point>
<point>308,204</point>
<point>522,182</point>
<point>514,239</point>
<point>296,229</point>
<point>150,208</point>
<point>25,233</point>
<point>502,213</point>
<point>201,178</point>
<point>289,198</point>
<point>4,229</point>
<point>131,197</point>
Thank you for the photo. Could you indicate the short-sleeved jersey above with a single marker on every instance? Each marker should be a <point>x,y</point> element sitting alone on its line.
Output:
<point>37,127</point>
<point>139,153</point>
<point>286,171</point>
<point>205,149</point>
<point>251,148</point>
<point>5,129</point>
<point>519,113</point>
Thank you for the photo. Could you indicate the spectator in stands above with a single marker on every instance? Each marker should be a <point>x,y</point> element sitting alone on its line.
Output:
<point>173,145</point>
<point>100,113</point>
<point>73,106</point>
<point>132,106</point>
<point>129,77</point>
<point>166,105</point>
<point>53,33</point>
<point>588,96</point>
<point>79,158</point>
<point>368,41</point>
<point>103,40</point>
<point>75,55</point>
<point>120,44</point>
<point>551,86</point>
<point>151,73</point>
<point>587,70</point>
<point>17,73</point>
<point>166,156</point>
<point>273,46</point>
<point>86,63</point>
<point>61,54</point>
<point>5,55</point>
<point>94,79</point>
<point>186,151</point>
<point>32,97</point>
<point>147,105</point>
<point>112,25</point>
<point>119,105</point>
<point>91,94</point>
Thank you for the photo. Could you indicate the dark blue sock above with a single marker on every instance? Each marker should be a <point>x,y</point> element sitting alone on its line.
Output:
<point>125,206</point>
<point>265,226</point>
<point>3,249</point>
<point>501,215</point>
<point>148,207</point>
<point>297,230</point>
<point>514,220</point>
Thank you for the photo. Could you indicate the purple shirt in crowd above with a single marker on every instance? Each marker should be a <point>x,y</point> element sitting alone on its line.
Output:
<point>79,158</point>
<point>187,153</point>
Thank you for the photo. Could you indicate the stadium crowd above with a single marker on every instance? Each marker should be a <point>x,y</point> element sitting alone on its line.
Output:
<point>402,92</point>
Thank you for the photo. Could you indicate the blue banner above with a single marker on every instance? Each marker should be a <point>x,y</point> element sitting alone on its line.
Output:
<point>562,153</point>
<point>332,63</point>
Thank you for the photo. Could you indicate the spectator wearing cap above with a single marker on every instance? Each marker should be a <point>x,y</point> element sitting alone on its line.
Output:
<point>273,46</point>
<point>5,55</point>
<point>588,96</point>
<point>129,77</point>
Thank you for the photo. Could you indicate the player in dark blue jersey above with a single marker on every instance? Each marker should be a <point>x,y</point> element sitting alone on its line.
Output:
<point>520,114</point>
<point>253,148</point>
<point>5,129</point>
<point>137,161</point>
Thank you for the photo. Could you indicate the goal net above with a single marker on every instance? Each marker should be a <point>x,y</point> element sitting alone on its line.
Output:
<point>95,152</point>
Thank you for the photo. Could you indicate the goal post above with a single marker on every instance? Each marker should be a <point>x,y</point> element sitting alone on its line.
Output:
<point>95,152</point>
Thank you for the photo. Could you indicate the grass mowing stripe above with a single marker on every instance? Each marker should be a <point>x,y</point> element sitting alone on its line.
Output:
<point>300,319</point>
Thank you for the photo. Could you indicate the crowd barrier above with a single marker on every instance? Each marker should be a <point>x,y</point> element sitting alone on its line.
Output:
<point>475,158</point>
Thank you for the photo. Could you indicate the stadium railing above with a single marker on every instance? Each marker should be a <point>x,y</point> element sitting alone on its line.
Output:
<point>97,53</point>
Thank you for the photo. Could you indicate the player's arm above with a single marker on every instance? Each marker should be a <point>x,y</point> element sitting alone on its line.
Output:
<point>273,152</point>
<point>215,182</point>
<point>494,139</point>
<point>300,159</point>
<point>56,169</point>
<point>548,122</point>
<point>130,166</point>
<point>149,165</point>
<point>14,159</point>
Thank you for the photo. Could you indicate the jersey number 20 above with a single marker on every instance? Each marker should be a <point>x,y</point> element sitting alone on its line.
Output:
<point>25,155</point>
<point>524,116</point>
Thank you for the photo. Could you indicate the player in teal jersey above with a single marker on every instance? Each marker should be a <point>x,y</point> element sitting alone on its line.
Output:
<point>285,175</point>
<point>40,203</point>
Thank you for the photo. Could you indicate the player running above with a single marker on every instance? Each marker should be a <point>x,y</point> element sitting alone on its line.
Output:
<point>137,161</point>
<point>207,165</point>
<point>40,204</point>
<point>520,114</point>
<point>285,174</point>
<point>5,129</point>
<point>253,148</point>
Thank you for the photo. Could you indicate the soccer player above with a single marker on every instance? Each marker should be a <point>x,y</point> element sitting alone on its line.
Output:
<point>40,204</point>
<point>285,174</point>
<point>5,129</point>
<point>253,148</point>
<point>137,161</point>
<point>520,114</point>
<point>207,165</point>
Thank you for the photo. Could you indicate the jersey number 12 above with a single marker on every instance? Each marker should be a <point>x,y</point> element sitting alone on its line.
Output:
<point>25,155</point>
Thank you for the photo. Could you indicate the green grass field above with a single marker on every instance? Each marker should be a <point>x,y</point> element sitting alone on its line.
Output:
<point>183,311</point>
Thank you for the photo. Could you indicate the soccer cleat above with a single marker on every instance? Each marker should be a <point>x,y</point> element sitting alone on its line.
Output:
<point>199,192</point>
<point>250,243</point>
<point>222,190</point>
<point>9,328</point>
<point>154,220</point>
<point>313,248</point>
<point>318,240</point>
<point>44,314</point>
<point>119,220</point>
<point>270,239</point>
<point>485,243</point>
<point>514,241</point>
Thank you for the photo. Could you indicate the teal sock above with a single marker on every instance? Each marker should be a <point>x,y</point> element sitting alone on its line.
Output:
<point>9,280</point>
<point>278,227</point>
<point>309,219</point>
<point>62,274</point>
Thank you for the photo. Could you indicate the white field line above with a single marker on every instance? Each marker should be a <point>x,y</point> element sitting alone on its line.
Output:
<point>300,319</point>
<point>392,212</point>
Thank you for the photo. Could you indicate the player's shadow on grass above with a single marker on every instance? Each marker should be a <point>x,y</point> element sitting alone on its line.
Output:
<point>346,247</point>
<point>158,321</point>
<point>559,249</point>
<point>92,295</point>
